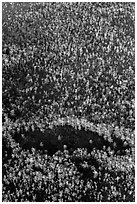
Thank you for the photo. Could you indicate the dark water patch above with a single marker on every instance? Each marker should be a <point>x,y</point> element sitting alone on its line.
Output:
<point>54,140</point>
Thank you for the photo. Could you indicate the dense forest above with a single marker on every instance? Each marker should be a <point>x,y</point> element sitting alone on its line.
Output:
<point>68,102</point>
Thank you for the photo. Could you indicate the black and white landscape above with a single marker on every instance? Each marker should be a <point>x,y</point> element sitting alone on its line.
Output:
<point>68,102</point>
